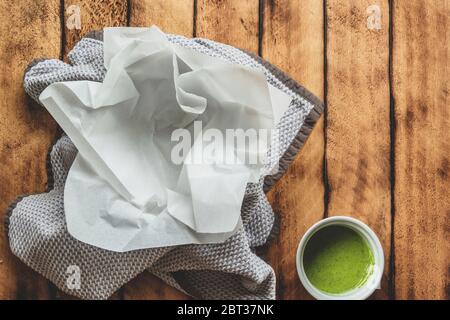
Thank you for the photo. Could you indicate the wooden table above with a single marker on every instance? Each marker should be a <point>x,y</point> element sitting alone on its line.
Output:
<point>380,153</point>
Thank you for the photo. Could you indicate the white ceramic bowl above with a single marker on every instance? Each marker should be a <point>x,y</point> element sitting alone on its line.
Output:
<point>372,283</point>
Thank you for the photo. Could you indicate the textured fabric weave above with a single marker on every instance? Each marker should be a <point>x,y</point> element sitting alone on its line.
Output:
<point>231,270</point>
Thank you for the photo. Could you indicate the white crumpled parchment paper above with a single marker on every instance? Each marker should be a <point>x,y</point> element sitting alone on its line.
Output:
<point>124,191</point>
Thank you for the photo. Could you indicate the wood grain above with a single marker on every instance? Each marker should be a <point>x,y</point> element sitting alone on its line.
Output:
<point>358,130</point>
<point>171,16</point>
<point>233,22</point>
<point>95,15</point>
<point>421,60</point>
<point>145,13</point>
<point>293,40</point>
<point>29,29</point>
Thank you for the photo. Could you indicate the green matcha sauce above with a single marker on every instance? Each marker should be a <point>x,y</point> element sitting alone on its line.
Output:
<point>337,259</point>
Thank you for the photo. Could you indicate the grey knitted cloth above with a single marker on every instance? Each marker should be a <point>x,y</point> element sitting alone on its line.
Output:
<point>231,270</point>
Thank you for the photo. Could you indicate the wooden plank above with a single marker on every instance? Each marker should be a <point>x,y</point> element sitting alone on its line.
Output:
<point>293,40</point>
<point>145,13</point>
<point>94,15</point>
<point>171,16</point>
<point>29,29</point>
<point>421,89</point>
<point>358,129</point>
<point>233,22</point>
<point>148,287</point>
